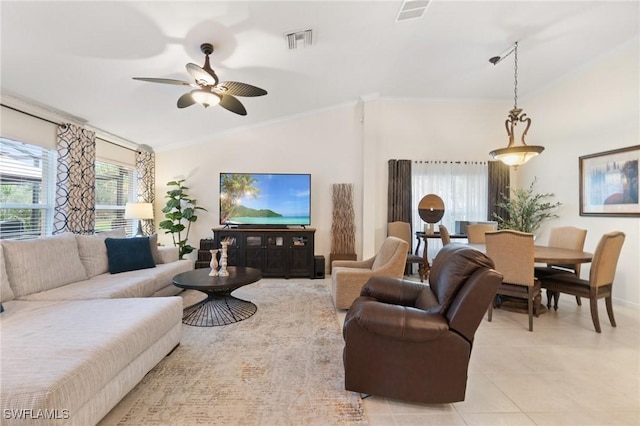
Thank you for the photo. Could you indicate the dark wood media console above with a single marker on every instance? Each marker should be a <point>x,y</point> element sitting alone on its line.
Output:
<point>277,252</point>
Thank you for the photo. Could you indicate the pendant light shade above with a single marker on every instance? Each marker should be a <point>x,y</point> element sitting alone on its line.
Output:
<point>515,155</point>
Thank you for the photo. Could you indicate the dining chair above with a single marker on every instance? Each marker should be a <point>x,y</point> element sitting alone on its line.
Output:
<point>444,235</point>
<point>512,254</point>
<point>476,231</point>
<point>568,237</point>
<point>600,282</point>
<point>402,230</point>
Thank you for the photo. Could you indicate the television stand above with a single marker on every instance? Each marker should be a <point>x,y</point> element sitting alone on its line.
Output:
<point>250,226</point>
<point>277,252</point>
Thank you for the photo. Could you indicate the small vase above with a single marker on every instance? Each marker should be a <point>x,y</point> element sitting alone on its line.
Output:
<point>223,260</point>
<point>214,263</point>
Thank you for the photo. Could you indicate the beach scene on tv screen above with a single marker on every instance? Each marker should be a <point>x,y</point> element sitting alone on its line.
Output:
<point>265,199</point>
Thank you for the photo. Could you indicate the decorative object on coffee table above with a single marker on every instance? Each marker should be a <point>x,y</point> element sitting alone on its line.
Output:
<point>214,263</point>
<point>223,260</point>
<point>219,307</point>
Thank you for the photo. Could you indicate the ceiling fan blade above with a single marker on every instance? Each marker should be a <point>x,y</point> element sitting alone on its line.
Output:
<point>201,75</point>
<point>232,104</point>
<point>186,100</point>
<point>163,80</point>
<point>240,89</point>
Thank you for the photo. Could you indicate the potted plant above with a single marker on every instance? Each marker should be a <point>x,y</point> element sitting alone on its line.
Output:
<point>525,210</point>
<point>179,208</point>
<point>343,229</point>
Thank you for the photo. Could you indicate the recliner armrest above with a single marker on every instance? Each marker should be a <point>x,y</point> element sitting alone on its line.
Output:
<point>397,322</point>
<point>392,290</point>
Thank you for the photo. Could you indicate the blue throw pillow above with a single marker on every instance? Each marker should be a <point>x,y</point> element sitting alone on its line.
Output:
<point>1,308</point>
<point>128,254</point>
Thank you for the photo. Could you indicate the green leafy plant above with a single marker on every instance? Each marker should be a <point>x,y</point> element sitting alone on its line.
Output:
<point>180,208</point>
<point>526,210</point>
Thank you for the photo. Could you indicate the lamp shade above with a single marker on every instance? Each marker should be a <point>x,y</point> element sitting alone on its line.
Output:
<point>205,97</point>
<point>138,211</point>
<point>516,155</point>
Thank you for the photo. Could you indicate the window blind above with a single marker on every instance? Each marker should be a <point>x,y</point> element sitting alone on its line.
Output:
<point>115,186</point>
<point>27,181</point>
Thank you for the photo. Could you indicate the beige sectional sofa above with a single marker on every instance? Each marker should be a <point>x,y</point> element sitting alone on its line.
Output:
<point>74,338</point>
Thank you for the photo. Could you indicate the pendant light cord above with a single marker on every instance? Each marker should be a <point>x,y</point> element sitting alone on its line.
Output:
<point>515,78</point>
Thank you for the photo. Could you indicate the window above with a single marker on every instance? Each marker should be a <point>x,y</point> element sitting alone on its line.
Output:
<point>115,186</point>
<point>27,180</point>
<point>463,186</point>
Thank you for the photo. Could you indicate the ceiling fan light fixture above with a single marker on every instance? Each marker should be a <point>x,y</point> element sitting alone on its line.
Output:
<point>205,98</point>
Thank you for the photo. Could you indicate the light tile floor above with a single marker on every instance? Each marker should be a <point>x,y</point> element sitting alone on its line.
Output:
<point>562,373</point>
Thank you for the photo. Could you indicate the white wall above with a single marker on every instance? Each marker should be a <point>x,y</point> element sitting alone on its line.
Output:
<point>326,144</point>
<point>591,111</point>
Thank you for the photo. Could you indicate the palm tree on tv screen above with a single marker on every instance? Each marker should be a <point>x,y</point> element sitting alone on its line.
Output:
<point>233,187</point>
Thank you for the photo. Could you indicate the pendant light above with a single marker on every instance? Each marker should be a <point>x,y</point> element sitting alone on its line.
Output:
<point>514,155</point>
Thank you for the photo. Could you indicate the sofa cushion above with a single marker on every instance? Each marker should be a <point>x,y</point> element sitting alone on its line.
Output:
<point>62,354</point>
<point>153,243</point>
<point>42,263</point>
<point>129,254</point>
<point>93,251</point>
<point>6,293</point>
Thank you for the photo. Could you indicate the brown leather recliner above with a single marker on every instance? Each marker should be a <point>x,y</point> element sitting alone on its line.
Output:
<point>405,340</point>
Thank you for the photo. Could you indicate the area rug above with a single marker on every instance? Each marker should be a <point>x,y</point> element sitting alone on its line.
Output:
<point>282,366</point>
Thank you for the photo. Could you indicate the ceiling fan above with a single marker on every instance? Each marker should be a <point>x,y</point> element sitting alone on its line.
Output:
<point>209,90</point>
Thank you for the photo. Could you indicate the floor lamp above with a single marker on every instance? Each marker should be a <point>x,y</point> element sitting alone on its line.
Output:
<point>139,211</point>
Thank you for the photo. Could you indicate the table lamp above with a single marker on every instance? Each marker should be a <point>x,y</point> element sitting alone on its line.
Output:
<point>138,211</point>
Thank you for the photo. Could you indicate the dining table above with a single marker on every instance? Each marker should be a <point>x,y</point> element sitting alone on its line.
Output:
<point>552,255</point>
<point>549,255</point>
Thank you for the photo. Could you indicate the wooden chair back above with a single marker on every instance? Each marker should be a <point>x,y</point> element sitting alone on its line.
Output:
<point>476,231</point>
<point>605,259</point>
<point>568,237</point>
<point>444,235</point>
<point>512,254</point>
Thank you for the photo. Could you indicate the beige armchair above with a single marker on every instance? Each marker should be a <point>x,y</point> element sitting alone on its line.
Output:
<point>402,230</point>
<point>349,276</point>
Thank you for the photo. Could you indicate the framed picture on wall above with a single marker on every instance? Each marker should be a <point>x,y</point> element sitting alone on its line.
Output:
<point>609,183</point>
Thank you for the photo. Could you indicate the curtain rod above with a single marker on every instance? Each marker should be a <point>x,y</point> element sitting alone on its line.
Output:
<point>30,115</point>
<point>118,145</point>
<point>446,162</point>
<point>64,124</point>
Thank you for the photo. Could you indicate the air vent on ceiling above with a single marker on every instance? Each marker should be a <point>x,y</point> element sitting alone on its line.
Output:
<point>411,9</point>
<point>299,39</point>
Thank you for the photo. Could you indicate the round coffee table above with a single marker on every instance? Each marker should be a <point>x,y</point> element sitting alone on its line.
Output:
<point>220,307</point>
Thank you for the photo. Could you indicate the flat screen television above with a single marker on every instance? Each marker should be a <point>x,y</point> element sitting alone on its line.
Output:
<point>265,199</point>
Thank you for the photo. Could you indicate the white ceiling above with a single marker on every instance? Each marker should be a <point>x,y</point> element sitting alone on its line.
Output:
<point>80,57</point>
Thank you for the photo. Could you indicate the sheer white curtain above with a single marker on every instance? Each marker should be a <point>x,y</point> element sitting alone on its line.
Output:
<point>462,185</point>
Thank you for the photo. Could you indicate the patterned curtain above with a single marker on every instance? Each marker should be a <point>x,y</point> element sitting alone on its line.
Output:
<point>146,176</point>
<point>399,191</point>
<point>498,185</point>
<point>75,205</point>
